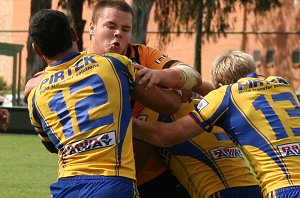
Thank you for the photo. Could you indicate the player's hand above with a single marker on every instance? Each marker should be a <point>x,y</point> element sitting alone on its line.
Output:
<point>148,77</point>
<point>4,118</point>
<point>137,66</point>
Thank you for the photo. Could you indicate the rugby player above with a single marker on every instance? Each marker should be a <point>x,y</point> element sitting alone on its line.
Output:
<point>208,165</point>
<point>110,31</point>
<point>261,114</point>
<point>81,109</point>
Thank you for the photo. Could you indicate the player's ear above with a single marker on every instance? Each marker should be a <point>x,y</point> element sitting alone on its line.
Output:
<point>74,35</point>
<point>37,50</point>
<point>92,28</point>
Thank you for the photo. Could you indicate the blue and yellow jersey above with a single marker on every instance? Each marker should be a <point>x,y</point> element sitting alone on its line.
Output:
<point>153,59</point>
<point>82,105</point>
<point>148,57</point>
<point>263,117</point>
<point>207,163</point>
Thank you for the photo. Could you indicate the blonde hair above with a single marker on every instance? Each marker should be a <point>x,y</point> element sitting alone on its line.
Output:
<point>230,66</point>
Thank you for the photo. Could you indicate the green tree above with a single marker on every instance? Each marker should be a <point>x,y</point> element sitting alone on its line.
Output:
<point>209,19</point>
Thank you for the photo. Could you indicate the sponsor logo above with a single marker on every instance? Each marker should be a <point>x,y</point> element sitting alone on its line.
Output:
<point>158,61</point>
<point>202,104</point>
<point>226,152</point>
<point>292,149</point>
<point>142,117</point>
<point>101,141</point>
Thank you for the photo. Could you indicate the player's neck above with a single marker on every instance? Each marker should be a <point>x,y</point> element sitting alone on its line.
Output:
<point>62,55</point>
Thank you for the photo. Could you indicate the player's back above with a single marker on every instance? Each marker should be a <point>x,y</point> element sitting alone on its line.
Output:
<point>264,117</point>
<point>207,163</point>
<point>83,104</point>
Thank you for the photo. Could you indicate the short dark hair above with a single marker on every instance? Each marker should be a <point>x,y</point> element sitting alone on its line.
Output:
<point>118,4</point>
<point>50,30</point>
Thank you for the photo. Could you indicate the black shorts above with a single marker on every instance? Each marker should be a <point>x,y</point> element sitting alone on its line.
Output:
<point>163,186</point>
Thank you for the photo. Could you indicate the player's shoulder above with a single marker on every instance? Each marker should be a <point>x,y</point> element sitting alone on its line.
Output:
<point>276,79</point>
<point>216,96</point>
<point>33,82</point>
<point>142,48</point>
<point>112,56</point>
<point>136,45</point>
<point>123,59</point>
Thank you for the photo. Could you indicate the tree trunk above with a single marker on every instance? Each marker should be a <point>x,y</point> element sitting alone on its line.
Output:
<point>75,8</point>
<point>33,62</point>
<point>244,38</point>
<point>141,9</point>
<point>198,42</point>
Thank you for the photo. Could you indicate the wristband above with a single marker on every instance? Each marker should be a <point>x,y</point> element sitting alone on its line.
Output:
<point>191,77</point>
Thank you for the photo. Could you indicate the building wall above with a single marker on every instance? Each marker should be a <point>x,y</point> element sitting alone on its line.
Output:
<point>261,33</point>
<point>6,62</point>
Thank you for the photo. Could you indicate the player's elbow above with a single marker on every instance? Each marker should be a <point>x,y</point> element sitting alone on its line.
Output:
<point>169,109</point>
<point>170,105</point>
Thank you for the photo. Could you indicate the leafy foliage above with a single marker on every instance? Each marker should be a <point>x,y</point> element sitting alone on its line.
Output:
<point>2,83</point>
<point>208,18</point>
<point>181,15</point>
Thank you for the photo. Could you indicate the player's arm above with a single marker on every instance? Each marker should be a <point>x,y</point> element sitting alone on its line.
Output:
<point>166,134</point>
<point>47,143</point>
<point>177,77</point>
<point>37,126</point>
<point>204,88</point>
<point>154,59</point>
<point>197,85</point>
<point>164,101</point>
<point>45,140</point>
<point>32,83</point>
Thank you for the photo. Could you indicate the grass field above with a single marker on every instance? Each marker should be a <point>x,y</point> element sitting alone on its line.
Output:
<point>26,167</point>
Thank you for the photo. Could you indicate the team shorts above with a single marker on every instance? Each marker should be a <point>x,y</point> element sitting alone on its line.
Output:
<point>238,192</point>
<point>94,187</point>
<point>289,192</point>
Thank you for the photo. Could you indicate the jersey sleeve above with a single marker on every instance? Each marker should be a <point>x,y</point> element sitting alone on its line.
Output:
<point>211,108</point>
<point>149,57</point>
<point>34,119</point>
<point>125,61</point>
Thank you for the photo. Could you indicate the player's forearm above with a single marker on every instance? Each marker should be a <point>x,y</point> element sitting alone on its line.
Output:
<point>187,78</point>
<point>161,100</point>
<point>172,78</point>
<point>166,134</point>
<point>150,132</point>
<point>204,88</point>
<point>46,141</point>
<point>50,147</point>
